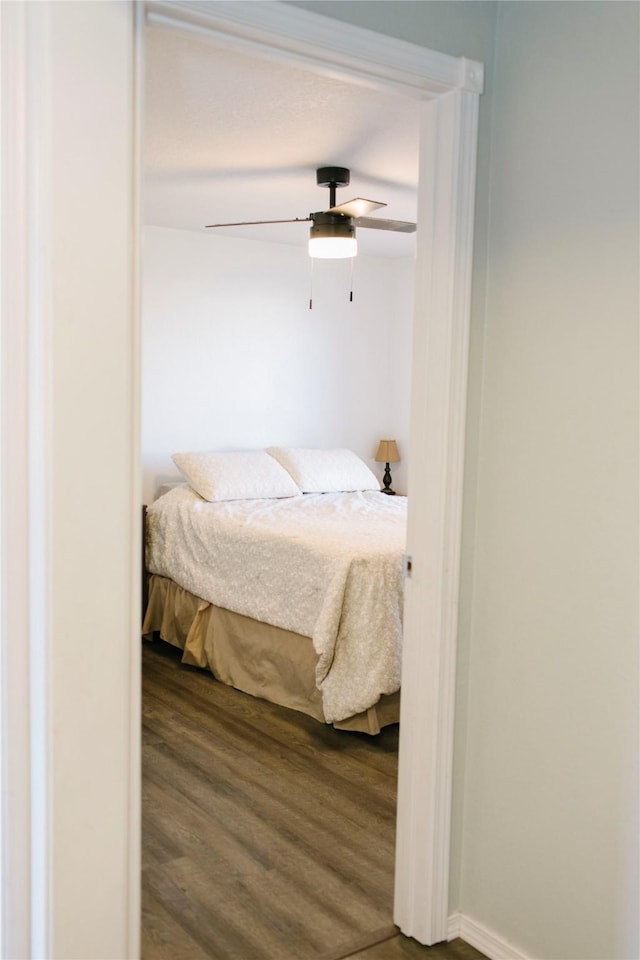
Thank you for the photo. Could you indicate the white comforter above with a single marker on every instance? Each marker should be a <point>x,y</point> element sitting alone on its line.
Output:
<point>328,566</point>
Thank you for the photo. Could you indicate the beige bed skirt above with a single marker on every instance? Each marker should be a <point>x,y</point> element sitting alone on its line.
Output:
<point>249,655</point>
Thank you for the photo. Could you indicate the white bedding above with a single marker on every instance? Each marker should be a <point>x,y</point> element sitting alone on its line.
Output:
<point>327,566</point>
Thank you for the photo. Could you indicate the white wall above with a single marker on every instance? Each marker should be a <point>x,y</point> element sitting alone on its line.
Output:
<point>233,358</point>
<point>550,833</point>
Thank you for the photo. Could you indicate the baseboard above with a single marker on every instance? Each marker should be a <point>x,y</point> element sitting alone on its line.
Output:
<point>487,942</point>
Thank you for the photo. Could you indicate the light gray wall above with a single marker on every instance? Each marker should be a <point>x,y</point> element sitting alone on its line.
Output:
<point>545,824</point>
<point>550,841</point>
<point>464,28</point>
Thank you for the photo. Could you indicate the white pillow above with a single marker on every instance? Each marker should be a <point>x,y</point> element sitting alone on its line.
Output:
<point>245,475</point>
<point>325,471</point>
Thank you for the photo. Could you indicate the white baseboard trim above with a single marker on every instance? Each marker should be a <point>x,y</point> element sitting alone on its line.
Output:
<point>487,942</point>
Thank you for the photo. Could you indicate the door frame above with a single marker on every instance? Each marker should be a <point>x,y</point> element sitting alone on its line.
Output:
<point>448,88</point>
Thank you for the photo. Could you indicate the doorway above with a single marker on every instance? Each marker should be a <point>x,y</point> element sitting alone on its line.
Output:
<point>97,39</point>
<point>447,90</point>
<point>336,376</point>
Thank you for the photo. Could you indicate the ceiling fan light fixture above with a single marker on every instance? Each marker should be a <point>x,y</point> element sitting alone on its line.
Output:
<point>333,231</point>
<point>332,237</point>
<point>332,248</point>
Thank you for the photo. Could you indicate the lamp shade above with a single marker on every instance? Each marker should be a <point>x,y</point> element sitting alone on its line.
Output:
<point>387,452</point>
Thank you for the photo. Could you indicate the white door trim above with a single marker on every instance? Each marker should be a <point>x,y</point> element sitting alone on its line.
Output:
<point>25,595</point>
<point>33,879</point>
<point>440,356</point>
<point>280,31</point>
<point>449,88</point>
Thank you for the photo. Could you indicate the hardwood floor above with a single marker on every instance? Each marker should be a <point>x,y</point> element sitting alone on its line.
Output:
<point>403,948</point>
<point>266,835</point>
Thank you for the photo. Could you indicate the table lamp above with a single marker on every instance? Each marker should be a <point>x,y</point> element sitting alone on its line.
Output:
<point>387,453</point>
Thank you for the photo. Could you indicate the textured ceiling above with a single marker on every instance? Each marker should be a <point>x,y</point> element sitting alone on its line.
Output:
<point>231,136</point>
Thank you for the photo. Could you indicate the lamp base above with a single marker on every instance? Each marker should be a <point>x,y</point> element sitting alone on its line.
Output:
<point>387,482</point>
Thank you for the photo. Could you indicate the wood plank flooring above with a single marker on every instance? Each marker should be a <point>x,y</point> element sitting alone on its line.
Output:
<point>266,835</point>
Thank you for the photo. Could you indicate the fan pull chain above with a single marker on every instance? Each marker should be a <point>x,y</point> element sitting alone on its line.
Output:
<point>351,269</point>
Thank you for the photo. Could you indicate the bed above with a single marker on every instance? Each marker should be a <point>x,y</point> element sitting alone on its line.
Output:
<point>294,595</point>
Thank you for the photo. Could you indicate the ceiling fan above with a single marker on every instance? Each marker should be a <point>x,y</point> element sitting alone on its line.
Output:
<point>333,231</point>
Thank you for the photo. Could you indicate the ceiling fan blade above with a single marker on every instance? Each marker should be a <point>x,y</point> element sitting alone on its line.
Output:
<point>253,223</point>
<point>400,226</point>
<point>358,207</point>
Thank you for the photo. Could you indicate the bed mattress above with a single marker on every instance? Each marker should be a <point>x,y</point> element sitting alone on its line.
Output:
<point>325,566</point>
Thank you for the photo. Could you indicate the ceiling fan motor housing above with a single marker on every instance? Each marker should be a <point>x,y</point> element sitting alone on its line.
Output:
<point>332,225</point>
